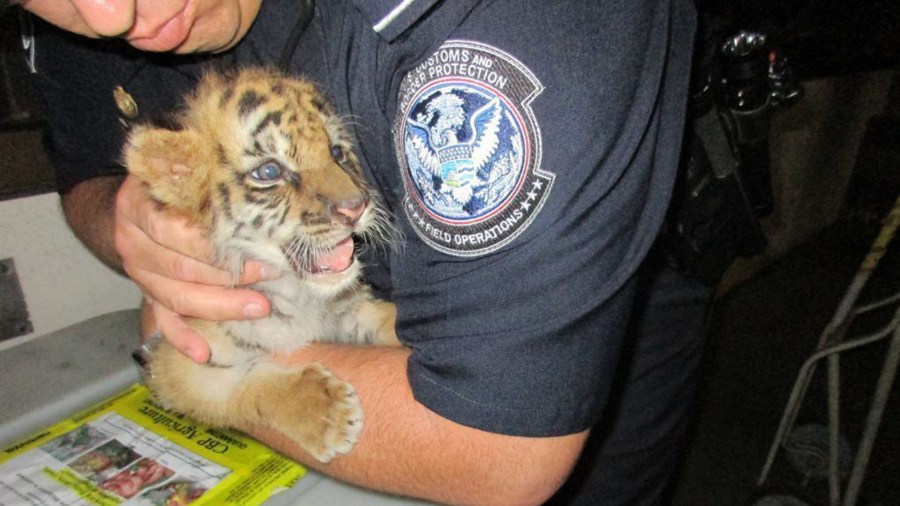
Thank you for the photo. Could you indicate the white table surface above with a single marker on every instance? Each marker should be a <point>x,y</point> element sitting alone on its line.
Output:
<point>52,377</point>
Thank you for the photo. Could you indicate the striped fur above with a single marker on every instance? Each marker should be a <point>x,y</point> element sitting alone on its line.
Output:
<point>262,163</point>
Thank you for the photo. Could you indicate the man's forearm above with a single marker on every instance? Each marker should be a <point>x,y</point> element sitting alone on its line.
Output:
<point>409,450</point>
<point>89,208</point>
<point>405,448</point>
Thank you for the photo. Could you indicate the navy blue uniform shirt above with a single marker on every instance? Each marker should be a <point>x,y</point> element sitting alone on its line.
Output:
<point>526,149</point>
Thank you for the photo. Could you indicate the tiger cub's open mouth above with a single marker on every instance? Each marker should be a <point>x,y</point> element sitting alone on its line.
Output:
<point>337,259</point>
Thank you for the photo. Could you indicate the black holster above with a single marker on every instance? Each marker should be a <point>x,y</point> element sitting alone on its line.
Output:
<point>725,185</point>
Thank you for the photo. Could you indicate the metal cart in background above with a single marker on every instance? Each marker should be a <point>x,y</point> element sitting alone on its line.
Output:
<point>833,461</point>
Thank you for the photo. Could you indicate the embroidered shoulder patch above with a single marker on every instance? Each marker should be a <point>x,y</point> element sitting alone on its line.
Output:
<point>470,149</point>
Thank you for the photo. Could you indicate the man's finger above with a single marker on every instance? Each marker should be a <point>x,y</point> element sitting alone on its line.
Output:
<point>149,238</point>
<point>140,253</point>
<point>203,301</point>
<point>135,207</point>
<point>180,335</point>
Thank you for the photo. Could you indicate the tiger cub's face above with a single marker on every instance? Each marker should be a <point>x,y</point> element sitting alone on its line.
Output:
<point>263,163</point>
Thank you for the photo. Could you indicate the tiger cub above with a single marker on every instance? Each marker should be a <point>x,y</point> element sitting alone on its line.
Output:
<point>263,164</point>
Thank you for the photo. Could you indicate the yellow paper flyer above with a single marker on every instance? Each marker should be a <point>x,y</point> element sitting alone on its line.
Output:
<point>128,450</point>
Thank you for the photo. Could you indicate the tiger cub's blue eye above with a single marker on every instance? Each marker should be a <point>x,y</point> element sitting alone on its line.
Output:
<point>267,172</point>
<point>337,153</point>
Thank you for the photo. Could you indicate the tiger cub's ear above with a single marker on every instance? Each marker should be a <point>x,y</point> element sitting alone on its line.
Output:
<point>170,162</point>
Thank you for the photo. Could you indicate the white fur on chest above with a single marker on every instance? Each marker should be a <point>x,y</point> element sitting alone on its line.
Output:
<point>301,313</point>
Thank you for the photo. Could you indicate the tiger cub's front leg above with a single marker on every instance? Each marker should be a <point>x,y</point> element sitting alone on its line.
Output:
<point>373,322</point>
<point>306,403</point>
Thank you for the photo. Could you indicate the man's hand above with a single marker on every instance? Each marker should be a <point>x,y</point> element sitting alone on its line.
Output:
<point>168,257</point>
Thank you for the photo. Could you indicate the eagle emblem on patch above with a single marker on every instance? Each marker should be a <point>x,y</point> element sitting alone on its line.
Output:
<point>470,149</point>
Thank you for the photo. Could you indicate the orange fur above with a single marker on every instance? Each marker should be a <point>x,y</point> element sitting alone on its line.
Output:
<point>260,161</point>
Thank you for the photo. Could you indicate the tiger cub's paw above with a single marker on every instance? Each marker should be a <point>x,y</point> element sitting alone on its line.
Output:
<point>324,413</point>
<point>345,420</point>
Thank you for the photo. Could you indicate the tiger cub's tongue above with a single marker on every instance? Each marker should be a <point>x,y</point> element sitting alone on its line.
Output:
<point>338,259</point>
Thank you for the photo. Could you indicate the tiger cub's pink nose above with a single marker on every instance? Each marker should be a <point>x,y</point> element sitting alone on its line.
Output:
<point>350,211</point>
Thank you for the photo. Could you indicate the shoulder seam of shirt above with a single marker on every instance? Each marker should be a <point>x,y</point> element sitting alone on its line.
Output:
<point>392,15</point>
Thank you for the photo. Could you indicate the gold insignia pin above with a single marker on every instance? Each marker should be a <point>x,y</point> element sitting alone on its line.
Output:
<point>125,103</point>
